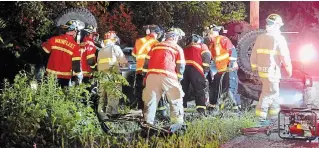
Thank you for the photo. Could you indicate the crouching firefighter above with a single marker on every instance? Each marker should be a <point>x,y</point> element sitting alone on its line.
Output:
<point>88,50</point>
<point>269,53</point>
<point>110,57</point>
<point>64,54</point>
<point>221,49</point>
<point>197,59</point>
<point>165,65</point>
<point>140,51</point>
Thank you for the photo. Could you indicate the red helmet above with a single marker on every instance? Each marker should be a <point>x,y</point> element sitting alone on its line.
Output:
<point>110,35</point>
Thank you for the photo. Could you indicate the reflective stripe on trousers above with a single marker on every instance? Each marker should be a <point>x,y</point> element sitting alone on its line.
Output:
<point>156,85</point>
<point>269,100</point>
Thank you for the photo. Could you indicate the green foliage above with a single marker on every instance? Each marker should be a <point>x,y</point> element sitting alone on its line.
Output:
<point>192,17</point>
<point>46,115</point>
<point>111,83</point>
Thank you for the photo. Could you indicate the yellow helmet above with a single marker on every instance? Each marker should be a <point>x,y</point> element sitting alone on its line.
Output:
<point>274,19</point>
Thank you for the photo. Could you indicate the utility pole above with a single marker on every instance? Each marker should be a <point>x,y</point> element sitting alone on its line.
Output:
<point>254,14</point>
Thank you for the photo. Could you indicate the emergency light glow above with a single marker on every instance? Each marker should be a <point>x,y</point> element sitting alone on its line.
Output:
<point>307,53</point>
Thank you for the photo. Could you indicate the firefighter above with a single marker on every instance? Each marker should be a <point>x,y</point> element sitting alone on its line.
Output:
<point>64,54</point>
<point>165,65</point>
<point>110,56</point>
<point>140,51</point>
<point>221,48</point>
<point>88,50</point>
<point>197,58</point>
<point>269,54</point>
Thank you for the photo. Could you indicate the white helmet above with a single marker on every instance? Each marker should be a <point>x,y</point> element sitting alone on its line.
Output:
<point>274,19</point>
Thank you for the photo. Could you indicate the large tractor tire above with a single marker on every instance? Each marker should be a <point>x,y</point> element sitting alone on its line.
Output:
<point>81,14</point>
<point>84,16</point>
<point>236,29</point>
<point>250,86</point>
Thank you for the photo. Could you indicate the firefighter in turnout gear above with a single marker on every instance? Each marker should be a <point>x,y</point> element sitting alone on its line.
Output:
<point>88,50</point>
<point>110,56</point>
<point>165,65</point>
<point>140,51</point>
<point>65,57</point>
<point>197,59</point>
<point>269,54</point>
<point>221,48</point>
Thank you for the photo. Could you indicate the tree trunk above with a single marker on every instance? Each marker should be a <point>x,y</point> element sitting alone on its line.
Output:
<point>254,14</point>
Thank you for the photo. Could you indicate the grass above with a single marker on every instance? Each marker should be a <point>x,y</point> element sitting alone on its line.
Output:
<point>207,132</point>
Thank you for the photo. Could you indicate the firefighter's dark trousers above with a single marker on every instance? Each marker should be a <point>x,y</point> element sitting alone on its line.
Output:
<point>63,82</point>
<point>194,78</point>
<point>86,80</point>
<point>233,86</point>
<point>219,86</point>
<point>138,91</point>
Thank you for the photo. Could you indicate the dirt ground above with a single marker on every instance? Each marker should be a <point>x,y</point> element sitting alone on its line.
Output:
<point>263,141</point>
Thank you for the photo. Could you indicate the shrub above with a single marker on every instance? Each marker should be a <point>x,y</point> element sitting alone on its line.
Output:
<point>46,115</point>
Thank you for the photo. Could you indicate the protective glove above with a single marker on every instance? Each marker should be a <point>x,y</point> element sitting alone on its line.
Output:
<point>80,75</point>
<point>79,78</point>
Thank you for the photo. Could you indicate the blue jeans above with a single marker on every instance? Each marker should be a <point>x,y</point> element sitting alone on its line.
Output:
<point>233,86</point>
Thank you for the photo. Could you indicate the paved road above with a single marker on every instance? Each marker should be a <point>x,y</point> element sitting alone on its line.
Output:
<point>263,141</point>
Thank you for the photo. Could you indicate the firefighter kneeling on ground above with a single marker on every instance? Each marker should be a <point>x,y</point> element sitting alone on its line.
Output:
<point>197,58</point>
<point>221,48</point>
<point>88,50</point>
<point>165,65</point>
<point>140,51</point>
<point>110,57</point>
<point>269,54</point>
<point>64,54</point>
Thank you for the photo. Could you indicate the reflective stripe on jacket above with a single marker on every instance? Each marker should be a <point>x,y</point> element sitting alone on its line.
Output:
<point>88,50</point>
<point>110,55</point>
<point>166,58</point>
<point>265,57</point>
<point>141,49</point>
<point>220,48</point>
<point>198,56</point>
<point>64,52</point>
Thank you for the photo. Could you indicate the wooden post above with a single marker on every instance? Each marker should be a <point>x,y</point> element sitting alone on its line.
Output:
<point>254,14</point>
